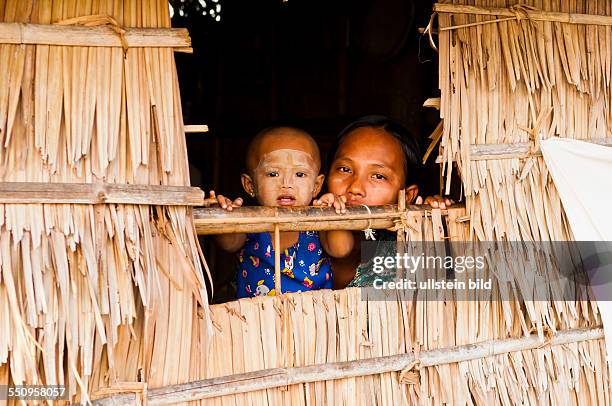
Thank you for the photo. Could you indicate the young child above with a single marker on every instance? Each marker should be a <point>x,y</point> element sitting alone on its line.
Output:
<point>283,165</point>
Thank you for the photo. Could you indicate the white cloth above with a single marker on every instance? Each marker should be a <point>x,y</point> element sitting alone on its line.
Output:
<point>582,173</point>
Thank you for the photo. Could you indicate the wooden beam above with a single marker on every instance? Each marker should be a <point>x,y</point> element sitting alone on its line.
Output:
<point>484,152</point>
<point>280,377</point>
<point>203,128</point>
<point>261,219</point>
<point>99,193</point>
<point>101,36</point>
<point>535,15</point>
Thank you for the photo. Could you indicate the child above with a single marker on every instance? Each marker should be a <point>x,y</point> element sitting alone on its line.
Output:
<point>283,165</point>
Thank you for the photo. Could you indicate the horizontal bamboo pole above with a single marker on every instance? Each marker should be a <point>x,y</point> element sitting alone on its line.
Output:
<point>100,36</point>
<point>279,377</point>
<point>99,193</point>
<point>483,152</point>
<point>536,15</point>
<point>260,219</point>
<point>203,128</point>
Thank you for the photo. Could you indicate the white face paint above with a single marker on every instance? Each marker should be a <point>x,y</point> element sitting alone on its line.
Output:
<point>286,177</point>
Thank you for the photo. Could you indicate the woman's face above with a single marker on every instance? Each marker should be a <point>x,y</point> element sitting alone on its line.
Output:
<point>368,168</point>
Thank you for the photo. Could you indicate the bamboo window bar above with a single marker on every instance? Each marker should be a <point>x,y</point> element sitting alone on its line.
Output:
<point>247,219</point>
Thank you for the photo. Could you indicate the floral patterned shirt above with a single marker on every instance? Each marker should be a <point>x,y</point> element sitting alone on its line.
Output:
<point>304,266</point>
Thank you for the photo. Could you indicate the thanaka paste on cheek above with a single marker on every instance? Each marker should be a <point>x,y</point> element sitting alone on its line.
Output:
<point>285,187</point>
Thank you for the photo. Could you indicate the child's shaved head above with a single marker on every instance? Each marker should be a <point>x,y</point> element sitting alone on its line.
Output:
<point>275,138</point>
<point>283,167</point>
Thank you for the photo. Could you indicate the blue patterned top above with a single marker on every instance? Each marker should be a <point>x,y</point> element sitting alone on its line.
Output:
<point>303,266</point>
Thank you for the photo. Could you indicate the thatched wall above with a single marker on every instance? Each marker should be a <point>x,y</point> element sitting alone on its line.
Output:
<point>93,295</point>
<point>509,82</point>
<point>331,326</point>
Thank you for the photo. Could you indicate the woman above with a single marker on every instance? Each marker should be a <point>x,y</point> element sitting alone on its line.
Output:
<point>372,160</point>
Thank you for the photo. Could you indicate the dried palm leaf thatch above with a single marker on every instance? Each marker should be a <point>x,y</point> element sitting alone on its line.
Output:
<point>517,81</point>
<point>272,336</point>
<point>92,295</point>
<point>508,81</point>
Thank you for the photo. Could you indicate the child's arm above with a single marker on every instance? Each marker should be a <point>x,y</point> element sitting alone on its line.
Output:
<point>229,242</point>
<point>337,243</point>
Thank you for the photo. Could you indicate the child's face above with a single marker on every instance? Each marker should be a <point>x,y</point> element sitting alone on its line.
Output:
<point>368,168</point>
<point>287,174</point>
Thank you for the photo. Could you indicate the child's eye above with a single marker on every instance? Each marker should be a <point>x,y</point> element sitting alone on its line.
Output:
<point>272,174</point>
<point>300,174</point>
<point>344,169</point>
<point>379,176</point>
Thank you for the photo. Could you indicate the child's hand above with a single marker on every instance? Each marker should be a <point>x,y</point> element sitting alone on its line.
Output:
<point>436,202</point>
<point>226,203</point>
<point>329,200</point>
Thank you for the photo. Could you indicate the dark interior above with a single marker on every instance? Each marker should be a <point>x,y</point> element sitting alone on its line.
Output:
<point>314,64</point>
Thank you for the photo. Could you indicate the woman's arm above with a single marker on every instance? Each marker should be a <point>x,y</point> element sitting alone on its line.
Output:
<point>337,243</point>
<point>230,242</point>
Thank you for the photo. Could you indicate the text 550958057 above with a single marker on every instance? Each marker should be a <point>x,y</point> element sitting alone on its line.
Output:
<point>33,392</point>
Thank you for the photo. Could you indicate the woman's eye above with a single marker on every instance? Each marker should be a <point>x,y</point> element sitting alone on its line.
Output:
<point>300,174</point>
<point>344,169</point>
<point>379,176</point>
<point>272,174</point>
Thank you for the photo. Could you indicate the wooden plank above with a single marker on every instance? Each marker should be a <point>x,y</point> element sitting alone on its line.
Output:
<point>101,36</point>
<point>485,152</point>
<point>433,102</point>
<point>99,193</point>
<point>535,15</point>
<point>201,128</point>
<point>306,218</point>
<point>279,377</point>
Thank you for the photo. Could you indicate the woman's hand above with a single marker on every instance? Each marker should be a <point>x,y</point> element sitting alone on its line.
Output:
<point>224,202</point>
<point>332,200</point>
<point>436,202</point>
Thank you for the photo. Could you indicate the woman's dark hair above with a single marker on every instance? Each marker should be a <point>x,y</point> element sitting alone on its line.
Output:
<point>410,144</point>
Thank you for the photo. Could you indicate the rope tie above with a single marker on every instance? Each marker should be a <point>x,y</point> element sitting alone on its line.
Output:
<point>520,11</point>
<point>96,21</point>
<point>410,374</point>
<point>402,223</point>
<point>368,232</point>
<point>429,31</point>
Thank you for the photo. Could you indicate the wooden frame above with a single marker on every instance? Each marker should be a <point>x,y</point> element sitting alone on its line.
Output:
<point>101,36</point>
<point>536,15</point>
<point>278,377</point>
<point>98,193</point>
